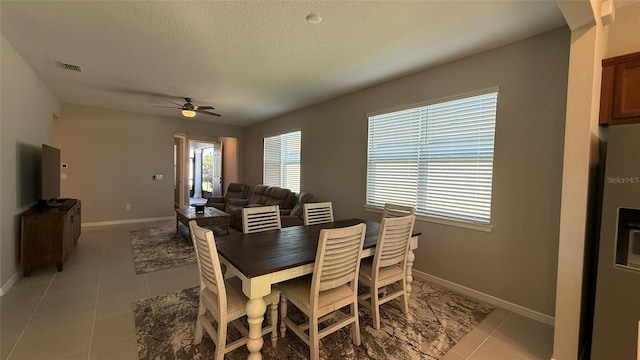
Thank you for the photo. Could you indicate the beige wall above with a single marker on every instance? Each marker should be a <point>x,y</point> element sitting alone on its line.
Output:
<point>25,123</point>
<point>517,260</point>
<point>112,156</point>
<point>624,32</point>
<point>230,160</point>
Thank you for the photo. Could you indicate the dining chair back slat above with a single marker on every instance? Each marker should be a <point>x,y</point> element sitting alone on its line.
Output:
<point>393,249</point>
<point>338,258</point>
<point>394,210</point>
<point>318,213</point>
<point>263,218</point>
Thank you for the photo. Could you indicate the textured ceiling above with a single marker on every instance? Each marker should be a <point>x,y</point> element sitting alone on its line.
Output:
<point>251,60</point>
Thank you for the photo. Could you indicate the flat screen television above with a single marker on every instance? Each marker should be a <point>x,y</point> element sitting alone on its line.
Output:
<point>50,174</point>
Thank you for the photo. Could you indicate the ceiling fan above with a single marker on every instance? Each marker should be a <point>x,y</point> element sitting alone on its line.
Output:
<point>189,109</point>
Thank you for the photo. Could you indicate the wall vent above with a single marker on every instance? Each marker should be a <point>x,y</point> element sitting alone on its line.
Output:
<point>71,67</point>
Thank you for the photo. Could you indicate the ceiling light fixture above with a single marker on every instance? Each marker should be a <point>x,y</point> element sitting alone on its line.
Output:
<point>188,113</point>
<point>313,18</point>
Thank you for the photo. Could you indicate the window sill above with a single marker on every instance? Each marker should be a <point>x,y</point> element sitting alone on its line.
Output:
<point>441,221</point>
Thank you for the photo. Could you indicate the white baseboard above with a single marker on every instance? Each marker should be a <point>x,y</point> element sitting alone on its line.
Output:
<point>6,286</point>
<point>130,221</point>
<point>518,309</point>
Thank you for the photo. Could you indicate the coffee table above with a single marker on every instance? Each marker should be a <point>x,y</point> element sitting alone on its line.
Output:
<point>210,217</point>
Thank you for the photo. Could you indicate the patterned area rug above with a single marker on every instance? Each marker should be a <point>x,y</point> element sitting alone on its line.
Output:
<point>160,247</point>
<point>437,320</point>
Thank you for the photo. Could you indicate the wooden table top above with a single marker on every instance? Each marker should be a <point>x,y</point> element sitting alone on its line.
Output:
<point>190,212</point>
<point>266,252</point>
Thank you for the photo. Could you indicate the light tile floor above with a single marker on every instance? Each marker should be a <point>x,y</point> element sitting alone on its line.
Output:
<point>84,312</point>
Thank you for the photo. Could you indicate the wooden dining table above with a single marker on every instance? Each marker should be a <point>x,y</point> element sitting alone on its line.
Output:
<point>264,259</point>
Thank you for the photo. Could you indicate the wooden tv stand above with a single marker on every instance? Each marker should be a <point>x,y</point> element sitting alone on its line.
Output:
<point>48,233</point>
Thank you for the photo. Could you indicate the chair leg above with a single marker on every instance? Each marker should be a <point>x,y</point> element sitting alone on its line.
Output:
<point>221,341</point>
<point>405,298</point>
<point>355,327</point>
<point>283,315</point>
<point>375,307</point>
<point>197,339</point>
<point>274,322</point>
<point>314,341</point>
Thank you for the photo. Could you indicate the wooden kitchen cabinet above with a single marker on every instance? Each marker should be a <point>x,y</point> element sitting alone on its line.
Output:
<point>48,234</point>
<point>620,92</point>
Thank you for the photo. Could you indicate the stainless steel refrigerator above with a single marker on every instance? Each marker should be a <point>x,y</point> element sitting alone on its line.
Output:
<point>617,294</point>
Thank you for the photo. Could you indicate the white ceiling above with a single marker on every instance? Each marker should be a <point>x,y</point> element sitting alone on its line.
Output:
<point>251,60</point>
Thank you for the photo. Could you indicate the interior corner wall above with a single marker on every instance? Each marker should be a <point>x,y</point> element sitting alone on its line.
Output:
<point>230,156</point>
<point>113,155</point>
<point>517,261</point>
<point>25,124</point>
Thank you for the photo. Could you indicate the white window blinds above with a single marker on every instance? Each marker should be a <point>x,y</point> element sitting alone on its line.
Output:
<point>437,158</point>
<point>282,161</point>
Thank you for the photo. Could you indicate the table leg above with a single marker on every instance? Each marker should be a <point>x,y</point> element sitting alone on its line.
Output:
<point>411,257</point>
<point>176,224</point>
<point>256,309</point>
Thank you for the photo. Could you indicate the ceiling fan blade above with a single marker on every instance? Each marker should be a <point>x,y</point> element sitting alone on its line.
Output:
<point>207,112</point>
<point>174,103</point>
<point>206,107</point>
<point>172,107</point>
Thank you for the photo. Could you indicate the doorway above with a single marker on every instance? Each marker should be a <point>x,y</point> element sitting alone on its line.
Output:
<point>204,175</point>
<point>224,164</point>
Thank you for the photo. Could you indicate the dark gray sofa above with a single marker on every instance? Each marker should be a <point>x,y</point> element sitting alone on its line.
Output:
<point>261,195</point>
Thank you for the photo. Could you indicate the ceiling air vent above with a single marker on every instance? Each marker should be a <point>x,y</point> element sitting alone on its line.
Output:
<point>71,67</point>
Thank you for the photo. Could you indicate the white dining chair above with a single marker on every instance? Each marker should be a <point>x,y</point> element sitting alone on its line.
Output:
<point>223,299</point>
<point>317,213</point>
<point>388,266</point>
<point>262,218</point>
<point>333,286</point>
<point>394,210</point>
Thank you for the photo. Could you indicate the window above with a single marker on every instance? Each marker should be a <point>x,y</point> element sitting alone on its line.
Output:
<point>207,169</point>
<point>192,169</point>
<point>282,161</point>
<point>437,158</point>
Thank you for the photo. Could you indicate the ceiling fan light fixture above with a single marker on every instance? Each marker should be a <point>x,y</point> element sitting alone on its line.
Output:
<point>188,113</point>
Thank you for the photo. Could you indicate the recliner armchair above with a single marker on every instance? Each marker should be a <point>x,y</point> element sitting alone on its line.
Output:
<point>234,191</point>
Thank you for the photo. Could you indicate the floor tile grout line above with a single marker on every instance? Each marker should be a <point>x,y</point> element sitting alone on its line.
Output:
<point>478,347</point>
<point>501,323</point>
<point>146,281</point>
<point>489,335</point>
<point>95,309</point>
<point>31,317</point>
